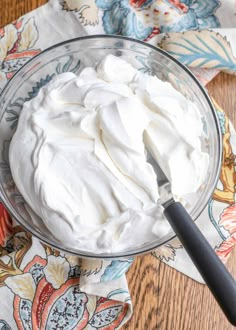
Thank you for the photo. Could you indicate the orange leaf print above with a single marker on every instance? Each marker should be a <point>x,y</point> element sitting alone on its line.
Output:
<point>7,270</point>
<point>50,251</point>
<point>227,175</point>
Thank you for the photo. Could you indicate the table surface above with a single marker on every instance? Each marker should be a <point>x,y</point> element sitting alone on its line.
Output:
<point>162,297</point>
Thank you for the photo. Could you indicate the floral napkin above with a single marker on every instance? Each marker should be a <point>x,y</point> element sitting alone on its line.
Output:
<point>41,288</point>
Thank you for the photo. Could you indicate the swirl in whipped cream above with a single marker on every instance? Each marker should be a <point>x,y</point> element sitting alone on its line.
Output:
<point>80,150</point>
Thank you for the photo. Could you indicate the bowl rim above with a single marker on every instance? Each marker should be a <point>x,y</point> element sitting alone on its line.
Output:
<point>91,255</point>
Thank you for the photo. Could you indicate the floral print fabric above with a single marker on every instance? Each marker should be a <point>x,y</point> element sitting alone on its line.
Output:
<point>41,288</point>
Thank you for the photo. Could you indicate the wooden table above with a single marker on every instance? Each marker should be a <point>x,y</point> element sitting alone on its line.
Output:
<point>163,298</point>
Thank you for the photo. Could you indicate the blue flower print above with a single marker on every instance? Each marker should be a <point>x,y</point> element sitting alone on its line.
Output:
<point>119,18</point>
<point>116,269</point>
<point>198,16</point>
<point>122,17</point>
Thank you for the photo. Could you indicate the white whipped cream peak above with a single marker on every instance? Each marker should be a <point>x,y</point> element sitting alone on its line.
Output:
<point>81,163</point>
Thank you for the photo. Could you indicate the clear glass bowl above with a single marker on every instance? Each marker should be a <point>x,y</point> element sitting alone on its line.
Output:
<point>74,55</point>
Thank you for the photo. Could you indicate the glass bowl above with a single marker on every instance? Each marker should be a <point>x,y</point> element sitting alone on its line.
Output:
<point>74,55</point>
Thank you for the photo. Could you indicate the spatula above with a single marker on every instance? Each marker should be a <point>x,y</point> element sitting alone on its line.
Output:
<point>212,270</point>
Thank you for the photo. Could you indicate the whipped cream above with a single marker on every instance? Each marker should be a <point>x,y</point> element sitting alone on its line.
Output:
<point>80,151</point>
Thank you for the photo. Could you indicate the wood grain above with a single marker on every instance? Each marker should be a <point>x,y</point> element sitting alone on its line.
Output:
<point>13,9</point>
<point>163,298</point>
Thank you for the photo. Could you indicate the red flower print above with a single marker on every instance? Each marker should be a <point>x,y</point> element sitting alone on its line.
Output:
<point>228,221</point>
<point>226,248</point>
<point>5,225</point>
<point>39,305</point>
<point>179,5</point>
<point>17,42</point>
<point>137,3</point>
<point>141,3</point>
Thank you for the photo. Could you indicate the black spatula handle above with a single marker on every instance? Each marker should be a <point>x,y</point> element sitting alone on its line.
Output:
<point>213,271</point>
